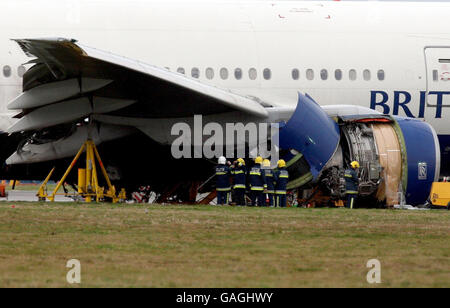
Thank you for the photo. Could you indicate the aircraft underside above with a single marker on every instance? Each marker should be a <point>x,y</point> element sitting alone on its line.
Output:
<point>388,149</point>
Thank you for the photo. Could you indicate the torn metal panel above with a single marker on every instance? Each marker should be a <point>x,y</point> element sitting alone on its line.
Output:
<point>311,132</point>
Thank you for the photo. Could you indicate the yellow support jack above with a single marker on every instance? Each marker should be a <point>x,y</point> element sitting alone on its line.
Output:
<point>88,187</point>
<point>42,192</point>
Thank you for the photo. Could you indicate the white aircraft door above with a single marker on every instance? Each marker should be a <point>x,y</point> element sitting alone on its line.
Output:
<point>437,60</point>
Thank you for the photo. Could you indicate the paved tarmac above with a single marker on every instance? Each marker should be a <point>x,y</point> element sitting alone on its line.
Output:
<point>29,196</point>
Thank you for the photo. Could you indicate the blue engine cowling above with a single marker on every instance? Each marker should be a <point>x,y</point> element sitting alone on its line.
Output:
<point>311,132</point>
<point>423,158</point>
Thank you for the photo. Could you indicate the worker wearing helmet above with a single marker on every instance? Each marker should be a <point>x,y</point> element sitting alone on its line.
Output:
<point>223,185</point>
<point>352,184</point>
<point>281,177</point>
<point>239,181</point>
<point>257,183</point>
<point>268,174</point>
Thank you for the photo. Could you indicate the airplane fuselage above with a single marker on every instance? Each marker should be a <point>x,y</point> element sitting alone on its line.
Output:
<point>392,57</point>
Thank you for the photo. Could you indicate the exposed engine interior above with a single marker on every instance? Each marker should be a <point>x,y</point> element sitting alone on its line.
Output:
<point>358,142</point>
<point>388,173</point>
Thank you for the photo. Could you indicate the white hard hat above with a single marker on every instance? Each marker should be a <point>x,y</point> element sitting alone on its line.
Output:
<point>222,160</point>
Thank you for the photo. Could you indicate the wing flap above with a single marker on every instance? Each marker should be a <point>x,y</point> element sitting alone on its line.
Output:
<point>56,91</point>
<point>67,111</point>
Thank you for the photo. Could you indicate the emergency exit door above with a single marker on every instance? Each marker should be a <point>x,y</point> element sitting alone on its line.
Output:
<point>438,75</point>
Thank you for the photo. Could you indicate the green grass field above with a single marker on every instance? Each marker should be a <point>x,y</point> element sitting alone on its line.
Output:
<point>206,246</point>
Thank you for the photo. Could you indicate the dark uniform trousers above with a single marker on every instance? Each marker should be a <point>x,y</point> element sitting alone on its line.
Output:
<point>281,179</point>
<point>271,198</point>
<point>257,197</point>
<point>223,197</point>
<point>281,199</point>
<point>351,200</point>
<point>239,194</point>
<point>269,176</point>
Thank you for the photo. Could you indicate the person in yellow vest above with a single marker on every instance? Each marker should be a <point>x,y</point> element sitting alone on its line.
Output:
<point>239,173</point>
<point>269,176</point>
<point>223,184</point>
<point>281,177</point>
<point>257,183</point>
<point>352,184</point>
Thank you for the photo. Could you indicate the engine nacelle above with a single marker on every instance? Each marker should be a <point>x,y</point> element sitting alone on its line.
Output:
<point>399,157</point>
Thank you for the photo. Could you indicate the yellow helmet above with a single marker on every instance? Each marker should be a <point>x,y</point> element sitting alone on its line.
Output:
<point>355,164</point>
<point>258,160</point>
<point>242,161</point>
<point>281,163</point>
<point>266,163</point>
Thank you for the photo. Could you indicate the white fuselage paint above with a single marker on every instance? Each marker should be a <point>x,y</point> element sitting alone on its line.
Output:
<point>278,35</point>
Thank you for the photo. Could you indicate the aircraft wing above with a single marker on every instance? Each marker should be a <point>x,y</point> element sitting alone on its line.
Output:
<point>70,81</point>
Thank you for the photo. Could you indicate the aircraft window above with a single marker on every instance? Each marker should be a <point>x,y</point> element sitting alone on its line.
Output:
<point>295,74</point>
<point>238,74</point>
<point>444,60</point>
<point>7,71</point>
<point>381,75</point>
<point>324,74</point>
<point>21,70</point>
<point>435,75</point>
<point>181,70</point>
<point>352,74</point>
<point>224,73</point>
<point>209,73</point>
<point>338,74</point>
<point>366,75</point>
<point>252,73</point>
<point>195,72</point>
<point>310,74</point>
<point>267,73</point>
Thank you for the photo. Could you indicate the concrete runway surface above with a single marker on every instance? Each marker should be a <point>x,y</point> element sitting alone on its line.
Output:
<point>30,196</point>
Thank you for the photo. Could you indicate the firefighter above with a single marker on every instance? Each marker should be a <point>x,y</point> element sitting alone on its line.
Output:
<point>352,184</point>
<point>223,185</point>
<point>268,174</point>
<point>281,177</point>
<point>257,183</point>
<point>239,180</point>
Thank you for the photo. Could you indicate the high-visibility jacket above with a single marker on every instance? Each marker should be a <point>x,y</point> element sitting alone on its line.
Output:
<point>351,181</point>
<point>270,180</point>
<point>281,177</point>
<point>256,178</point>
<point>239,177</point>
<point>223,178</point>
